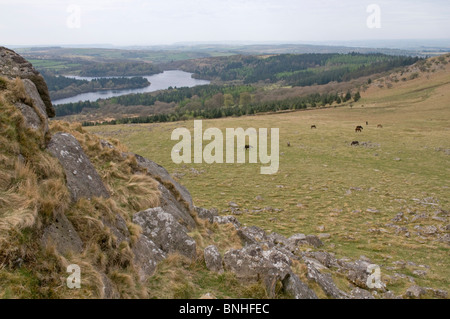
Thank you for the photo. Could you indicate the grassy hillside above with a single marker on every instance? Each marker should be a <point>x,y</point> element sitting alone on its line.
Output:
<point>324,185</point>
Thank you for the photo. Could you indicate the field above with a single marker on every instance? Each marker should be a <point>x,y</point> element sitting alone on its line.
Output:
<point>349,194</point>
<point>53,58</point>
<point>53,65</point>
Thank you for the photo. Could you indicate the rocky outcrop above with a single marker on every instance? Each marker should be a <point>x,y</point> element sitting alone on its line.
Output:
<point>252,235</point>
<point>14,66</point>
<point>63,235</point>
<point>81,177</point>
<point>359,293</point>
<point>297,289</point>
<point>171,205</point>
<point>175,198</point>
<point>212,216</point>
<point>417,292</point>
<point>32,107</point>
<point>227,220</point>
<point>357,272</point>
<point>207,214</point>
<point>167,233</point>
<point>31,118</point>
<point>324,258</point>
<point>147,256</point>
<point>325,281</point>
<point>39,106</point>
<point>255,235</point>
<point>252,264</point>
<point>213,259</point>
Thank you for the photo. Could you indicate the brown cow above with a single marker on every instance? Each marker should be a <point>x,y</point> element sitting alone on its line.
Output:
<point>313,126</point>
<point>379,126</point>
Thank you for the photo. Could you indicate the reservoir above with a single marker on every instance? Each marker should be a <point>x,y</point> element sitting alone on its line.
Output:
<point>161,81</point>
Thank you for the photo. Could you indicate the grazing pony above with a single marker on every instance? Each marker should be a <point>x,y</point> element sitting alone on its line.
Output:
<point>379,126</point>
<point>313,126</point>
<point>355,143</point>
<point>359,128</point>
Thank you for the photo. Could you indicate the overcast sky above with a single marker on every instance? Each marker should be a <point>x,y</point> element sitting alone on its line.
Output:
<point>147,22</point>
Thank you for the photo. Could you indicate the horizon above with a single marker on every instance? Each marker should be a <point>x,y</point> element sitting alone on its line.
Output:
<point>125,23</point>
<point>443,43</point>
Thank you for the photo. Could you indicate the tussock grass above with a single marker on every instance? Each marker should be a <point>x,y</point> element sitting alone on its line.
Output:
<point>33,193</point>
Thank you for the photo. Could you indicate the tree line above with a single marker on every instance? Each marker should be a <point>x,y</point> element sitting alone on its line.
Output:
<point>204,96</point>
<point>183,95</point>
<point>74,108</point>
<point>119,69</point>
<point>183,113</point>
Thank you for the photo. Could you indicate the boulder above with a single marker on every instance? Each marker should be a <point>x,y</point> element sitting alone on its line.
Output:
<point>252,235</point>
<point>359,293</point>
<point>302,239</point>
<point>33,94</point>
<point>358,273</point>
<point>277,239</point>
<point>325,258</point>
<point>146,257</point>
<point>81,177</point>
<point>313,262</point>
<point>12,65</point>
<point>167,233</point>
<point>314,241</point>
<point>297,289</point>
<point>415,292</point>
<point>207,214</point>
<point>227,220</point>
<point>171,205</point>
<point>252,263</point>
<point>35,115</point>
<point>325,281</point>
<point>213,259</point>
<point>297,239</point>
<point>438,293</point>
<point>63,235</point>
<point>31,118</point>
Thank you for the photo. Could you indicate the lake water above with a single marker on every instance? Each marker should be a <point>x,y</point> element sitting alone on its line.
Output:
<point>161,81</point>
